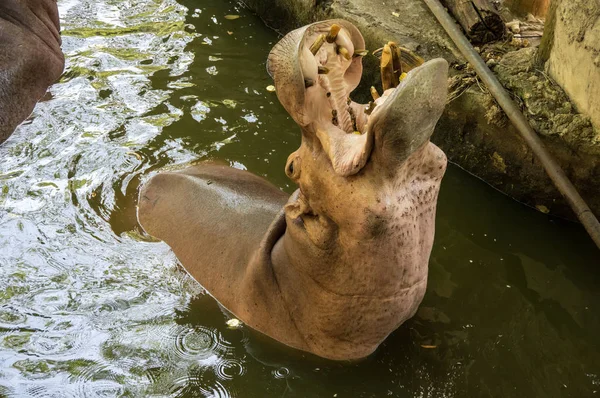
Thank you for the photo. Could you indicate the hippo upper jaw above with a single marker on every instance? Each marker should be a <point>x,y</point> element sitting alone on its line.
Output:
<point>315,69</point>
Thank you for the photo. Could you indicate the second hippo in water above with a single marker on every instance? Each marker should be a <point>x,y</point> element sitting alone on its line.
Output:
<point>340,264</point>
<point>30,57</point>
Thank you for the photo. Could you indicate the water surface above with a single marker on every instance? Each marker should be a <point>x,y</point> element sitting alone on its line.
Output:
<point>90,307</point>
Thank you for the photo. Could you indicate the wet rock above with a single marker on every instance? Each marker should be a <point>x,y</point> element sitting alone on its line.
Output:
<point>545,101</point>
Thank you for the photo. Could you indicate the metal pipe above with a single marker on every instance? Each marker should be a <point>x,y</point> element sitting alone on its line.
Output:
<point>556,174</point>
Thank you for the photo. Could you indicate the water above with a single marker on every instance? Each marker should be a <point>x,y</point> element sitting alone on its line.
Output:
<point>90,307</point>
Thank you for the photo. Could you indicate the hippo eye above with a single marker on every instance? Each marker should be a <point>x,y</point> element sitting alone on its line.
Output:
<point>291,168</point>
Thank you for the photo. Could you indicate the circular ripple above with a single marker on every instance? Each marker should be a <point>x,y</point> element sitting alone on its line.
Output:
<point>217,390</point>
<point>69,334</point>
<point>51,391</point>
<point>224,347</point>
<point>49,301</point>
<point>95,379</point>
<point>281,373</point>
<point>196,343</point>
<point>227,369</point>
<point>198,385</point>
<point>100,389</point>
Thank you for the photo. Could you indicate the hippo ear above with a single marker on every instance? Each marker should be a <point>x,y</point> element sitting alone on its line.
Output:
<point>407,117</point>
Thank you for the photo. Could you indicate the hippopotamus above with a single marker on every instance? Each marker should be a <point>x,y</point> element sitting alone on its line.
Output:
<point>30,57</point>
<point>341,263</point>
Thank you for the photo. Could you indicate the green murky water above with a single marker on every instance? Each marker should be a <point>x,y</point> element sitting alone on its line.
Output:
<point>89,308</point>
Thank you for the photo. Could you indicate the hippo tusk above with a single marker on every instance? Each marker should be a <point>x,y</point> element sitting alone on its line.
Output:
<point>316,46</point>
<point>333,32</point>
<point>344,52</point>
<point>396,54</point>
<point>370,108</point>
<point>387,69</point>
<point>408,59</point>
<point>374,93</point>
<point>360,53</point>
<point>322,70</point>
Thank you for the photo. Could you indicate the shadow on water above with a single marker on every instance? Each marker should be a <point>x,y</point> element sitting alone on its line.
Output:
<point>89,306</point>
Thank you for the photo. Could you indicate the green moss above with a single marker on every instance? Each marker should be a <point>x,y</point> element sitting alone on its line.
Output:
<point>76,366</point>
<point>77,71</point>
<point>12,291</point>
<point>77,184</point>
<point>19,275</point>
<point>141,355</point>
<point>3,194</point>
<point>9,317</point>
<point>31,368</point>
<point>4,391</point>
<point>10,175</point>
<point>17,340</point>
<point>159,28</point>
<point>59,278</point>
<point>43,368</point>
<point>47,184</point>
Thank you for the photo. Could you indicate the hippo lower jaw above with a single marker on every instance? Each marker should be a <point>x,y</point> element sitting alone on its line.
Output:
<point>350,149</point>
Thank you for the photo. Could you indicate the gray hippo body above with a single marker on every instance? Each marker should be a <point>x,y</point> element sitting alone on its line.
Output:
<point>30,57</point>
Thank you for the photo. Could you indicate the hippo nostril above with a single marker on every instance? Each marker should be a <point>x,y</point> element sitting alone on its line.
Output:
<point>292,168</point>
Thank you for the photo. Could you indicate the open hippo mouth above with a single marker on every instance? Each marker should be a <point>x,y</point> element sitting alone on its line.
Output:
<point>315,68</point>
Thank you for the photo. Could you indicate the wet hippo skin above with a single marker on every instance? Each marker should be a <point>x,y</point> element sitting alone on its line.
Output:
<point>30,57</point>
<point>340,264</point>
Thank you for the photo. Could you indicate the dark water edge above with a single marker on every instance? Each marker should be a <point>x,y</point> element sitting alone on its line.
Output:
<point>89,306</point>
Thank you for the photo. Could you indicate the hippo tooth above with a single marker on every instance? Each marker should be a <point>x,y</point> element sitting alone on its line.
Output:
<point>316,46</point>
<point>323,70</point>
<point>374,93</point>
<point>344,52</point>
<point>333,32</point>
<point>360,53</point>
<point>369,108</point>
<point>396,61</point>
<point>410,59</point>
<point>387,68</point>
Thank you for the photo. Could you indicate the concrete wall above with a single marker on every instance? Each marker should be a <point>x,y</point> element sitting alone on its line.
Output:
<point>522,7</point>
<point>574,56</point>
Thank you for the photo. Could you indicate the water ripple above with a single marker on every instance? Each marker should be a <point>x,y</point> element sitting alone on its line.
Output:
<point>228,369</point>
<point>195,343</point>
<point>281,373</point>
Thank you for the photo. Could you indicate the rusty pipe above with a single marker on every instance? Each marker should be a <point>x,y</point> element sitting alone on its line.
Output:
<point>554,171</point>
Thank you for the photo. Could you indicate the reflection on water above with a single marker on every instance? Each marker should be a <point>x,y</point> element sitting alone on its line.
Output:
<point>91,307</point>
